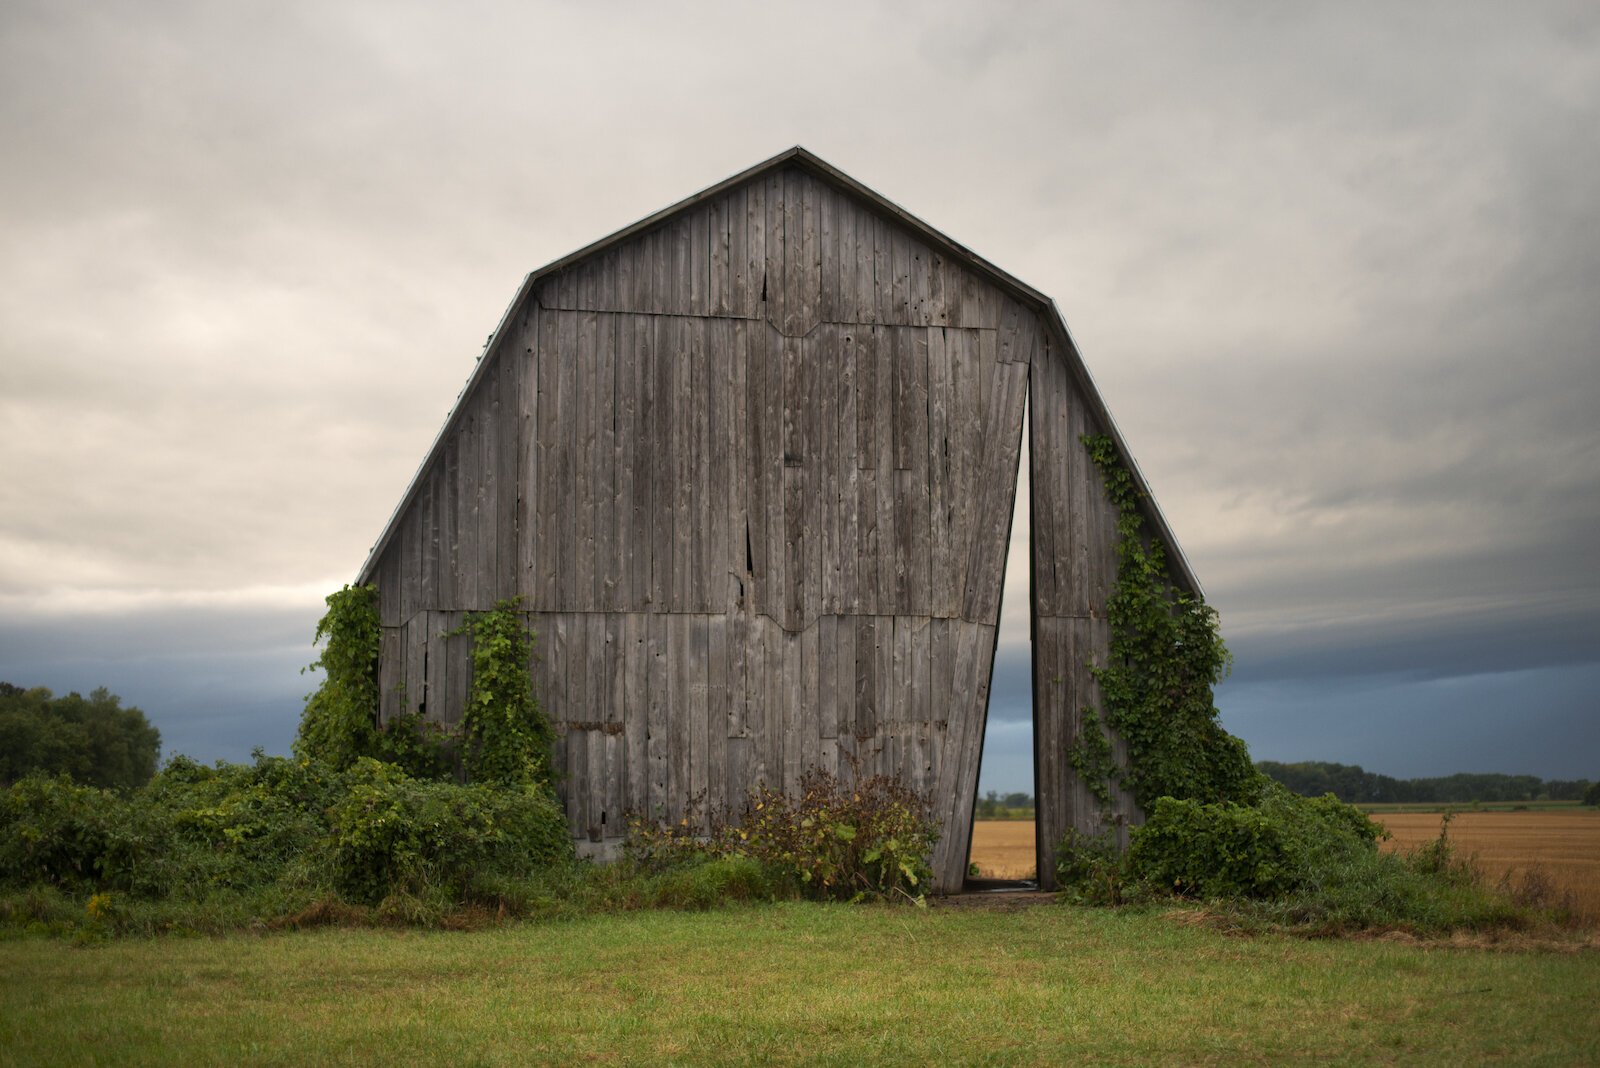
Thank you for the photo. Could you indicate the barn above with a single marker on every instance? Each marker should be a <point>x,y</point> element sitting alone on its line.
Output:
<point>749,464</point>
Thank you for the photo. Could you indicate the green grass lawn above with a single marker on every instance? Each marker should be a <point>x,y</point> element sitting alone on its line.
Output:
<point>794,983</point>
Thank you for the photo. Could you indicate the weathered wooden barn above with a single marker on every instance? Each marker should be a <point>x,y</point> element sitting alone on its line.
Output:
<point>750,466</point>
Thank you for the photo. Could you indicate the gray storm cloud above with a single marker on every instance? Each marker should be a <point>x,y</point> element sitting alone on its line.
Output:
<point>1333,266</point>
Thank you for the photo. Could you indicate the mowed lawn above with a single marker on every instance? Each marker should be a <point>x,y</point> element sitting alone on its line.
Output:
<point>796,984</point>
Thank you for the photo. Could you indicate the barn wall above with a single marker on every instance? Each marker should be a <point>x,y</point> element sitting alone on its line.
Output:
<point>1074,571</point>
<point>751,473</point>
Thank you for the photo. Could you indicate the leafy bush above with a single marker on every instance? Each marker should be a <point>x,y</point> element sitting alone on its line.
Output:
<point>1229,850</point>
<point>1308,864</point>
<point>55,832</point>
<point>833,843</point>
<point>1091,869</point>
<point>277,833</point>
<point>391,833</point>
<point>340,722</point>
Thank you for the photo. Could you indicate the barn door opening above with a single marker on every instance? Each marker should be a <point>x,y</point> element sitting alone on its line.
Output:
<point>1002,849</point>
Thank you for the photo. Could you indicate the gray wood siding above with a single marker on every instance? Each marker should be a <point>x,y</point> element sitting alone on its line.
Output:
<point>751,472</point>
<point>1074,569</point>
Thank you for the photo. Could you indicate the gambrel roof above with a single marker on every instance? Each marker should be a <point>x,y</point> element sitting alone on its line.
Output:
<point>799,157</point>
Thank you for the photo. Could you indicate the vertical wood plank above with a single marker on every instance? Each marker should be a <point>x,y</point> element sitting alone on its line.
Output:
<point>527,535</point>
<point>680,716</point>
<point>890,581</point>
<point>657,742</point>
<point>791,686</point>
<point>826,706</point>
<point>737,210</point>
<point>596,715</point>
<point>776,285</point>
<point>774,400</point>
<point>738,548</point>
<point>847,543</point>
<point>717,714</point>
<point>866,682</point>
<point>918,311</point>
<point>866,302</point>
<point>627,545</point>
<point>1003,432</point>
<point>755,250</point>
<point>681,454</point>
<point>717,281</point>
<point>607,566</point>
<point>416,667</point>
<point>806,719</point>
<point>585,499</point>
<point>696,223</point>
<point>719,481</point>
<point>761,593</point>
<point>663,507</point>
<point>569,423</point>
<point>541,527</point>
<point>847,304</point>
<point>636,712</point>
<point>697,713</point>
<point>575,630</point>
<point>760,676</point>
<point>845,688</point>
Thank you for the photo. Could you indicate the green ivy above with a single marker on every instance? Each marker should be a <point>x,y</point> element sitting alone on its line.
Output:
<point>508,738</point>
<point>340,722</point>
<point>1166,654</point>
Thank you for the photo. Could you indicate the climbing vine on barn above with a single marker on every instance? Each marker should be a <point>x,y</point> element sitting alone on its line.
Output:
<point>1166,654</point>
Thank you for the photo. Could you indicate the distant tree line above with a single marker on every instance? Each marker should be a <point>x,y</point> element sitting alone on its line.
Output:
<point>1356,785</point>
<point>93,739</point>
<point>995,806</point>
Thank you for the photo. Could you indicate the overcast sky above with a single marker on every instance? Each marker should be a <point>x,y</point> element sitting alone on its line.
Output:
<point>1336,269</point>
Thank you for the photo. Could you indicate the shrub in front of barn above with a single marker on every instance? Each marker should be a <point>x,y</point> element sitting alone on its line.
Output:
<point>832,841</point>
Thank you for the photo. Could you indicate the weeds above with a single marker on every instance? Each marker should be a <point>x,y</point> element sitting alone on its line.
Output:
<point>832,842</point>
<point>1309,866</point>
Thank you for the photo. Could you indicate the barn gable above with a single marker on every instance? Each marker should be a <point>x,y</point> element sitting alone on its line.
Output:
<point>750,465</point>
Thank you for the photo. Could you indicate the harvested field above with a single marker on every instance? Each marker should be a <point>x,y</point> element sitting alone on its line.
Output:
<point>1563,845</point>
<point>1003,849</point>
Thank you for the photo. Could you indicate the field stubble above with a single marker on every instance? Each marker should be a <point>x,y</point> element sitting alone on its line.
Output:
<point>1562,845</point>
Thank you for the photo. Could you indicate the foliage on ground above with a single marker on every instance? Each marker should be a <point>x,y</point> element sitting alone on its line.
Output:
<point>832,842</point>
<point>252,842</point>
<point>93,739</point>
<point>1309,866</point>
